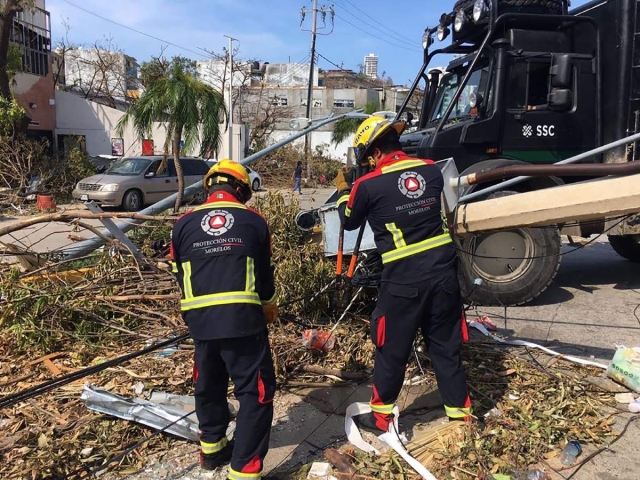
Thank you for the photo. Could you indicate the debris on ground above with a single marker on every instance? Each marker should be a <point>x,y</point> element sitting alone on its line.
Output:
<point>63,317</point>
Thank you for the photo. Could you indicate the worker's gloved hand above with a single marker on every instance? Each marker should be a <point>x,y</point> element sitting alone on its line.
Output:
<point>345,178</point>
<point>270,312</point>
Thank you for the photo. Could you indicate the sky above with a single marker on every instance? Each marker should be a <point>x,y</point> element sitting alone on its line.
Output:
<point>268,30</point>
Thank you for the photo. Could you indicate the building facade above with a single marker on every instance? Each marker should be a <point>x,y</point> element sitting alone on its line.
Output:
<point>34,87</point>
<point>371,66</point>
<point>98,74</point>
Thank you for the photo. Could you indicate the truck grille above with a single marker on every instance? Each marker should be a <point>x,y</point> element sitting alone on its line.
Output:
<point>90,187</point>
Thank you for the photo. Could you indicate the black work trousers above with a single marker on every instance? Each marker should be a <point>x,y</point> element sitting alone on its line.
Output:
<point>435,307</point>
<point>248,361</point>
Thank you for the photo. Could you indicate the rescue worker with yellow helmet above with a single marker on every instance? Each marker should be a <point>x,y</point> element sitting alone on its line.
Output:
<point>401,200</point>
<point>221,254</point>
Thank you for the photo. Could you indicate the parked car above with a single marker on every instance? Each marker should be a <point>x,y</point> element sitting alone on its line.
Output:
<point>133,182</point>
<point>256,179</point>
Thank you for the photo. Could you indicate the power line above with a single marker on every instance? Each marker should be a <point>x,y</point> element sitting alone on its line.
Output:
<point>379,26</point>
<point>132,29</point>
<point>413,49</point>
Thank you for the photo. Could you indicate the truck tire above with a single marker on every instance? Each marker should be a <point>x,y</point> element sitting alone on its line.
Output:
<point>535,262</point>
<point>626,246</point>
<point>521,6</point>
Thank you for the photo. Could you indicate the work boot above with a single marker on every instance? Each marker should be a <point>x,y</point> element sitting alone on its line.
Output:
<point>211,461</point>
<point>367,421</point>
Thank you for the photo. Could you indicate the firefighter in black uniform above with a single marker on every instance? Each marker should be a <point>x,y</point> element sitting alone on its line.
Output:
<point>419,287</point>
<point>221,254</point>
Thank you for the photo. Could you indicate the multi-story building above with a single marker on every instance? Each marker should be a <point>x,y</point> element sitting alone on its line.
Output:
<point>371,65</point>
<point>99,74</point>
<point>34,86</point>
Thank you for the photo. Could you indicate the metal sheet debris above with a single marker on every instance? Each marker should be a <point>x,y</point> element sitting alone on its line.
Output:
<point>156,415</point>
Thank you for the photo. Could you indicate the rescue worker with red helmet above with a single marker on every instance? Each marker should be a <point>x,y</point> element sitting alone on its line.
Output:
<point>221,253</point>
<point>401,200</point>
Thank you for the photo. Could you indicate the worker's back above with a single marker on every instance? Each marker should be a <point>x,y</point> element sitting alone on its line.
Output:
<point>221,252</point>
<point>404,211</point>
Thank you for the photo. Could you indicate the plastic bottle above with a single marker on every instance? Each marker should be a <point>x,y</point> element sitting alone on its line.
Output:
<point>530,475</point>
<point>570,452</point>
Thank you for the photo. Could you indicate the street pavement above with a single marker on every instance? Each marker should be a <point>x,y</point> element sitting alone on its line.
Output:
<point>590,308</point>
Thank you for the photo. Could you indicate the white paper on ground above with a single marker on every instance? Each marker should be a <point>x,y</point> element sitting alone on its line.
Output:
<point>481,328</point>
<point>389,439</point>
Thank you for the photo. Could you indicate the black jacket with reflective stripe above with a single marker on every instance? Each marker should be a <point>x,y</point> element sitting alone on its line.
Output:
<point>401,200</point>
<point>222,260</point>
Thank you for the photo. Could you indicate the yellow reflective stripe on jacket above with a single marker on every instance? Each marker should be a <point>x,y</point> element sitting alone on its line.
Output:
<point>209,448</point>
<point>223,298</point>
<point>383,409</point>
<point>403,165</point>
<point>347,212</point>
<point>415,248</point>
<point>250,285</point>
<point>186,280</point>
<point>398,238</point>
<point>455,412</point>
<point>235,475</point>
<point>219,205</point>
<point>342,199</point>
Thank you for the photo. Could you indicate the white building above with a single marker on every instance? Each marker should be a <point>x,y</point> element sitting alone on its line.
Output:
<point>97,73</point>
<point>371,65</point>
<point>216,73</point>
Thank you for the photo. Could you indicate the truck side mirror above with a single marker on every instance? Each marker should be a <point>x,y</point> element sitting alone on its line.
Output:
<point>561,96</point>
<point>560,72</point>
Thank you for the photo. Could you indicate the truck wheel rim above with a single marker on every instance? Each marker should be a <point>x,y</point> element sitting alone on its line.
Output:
<point>502,257</point>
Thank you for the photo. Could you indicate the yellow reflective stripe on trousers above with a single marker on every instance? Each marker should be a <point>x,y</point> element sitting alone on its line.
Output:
<point>455,412</point>
<point>223,298</point>
<point>415,248</point>
<point>383,409</point>
<point>209,448</point>
<point>186,280</point>
<point>219,205</point>
<point>403,165</point>
<point>174,267</point>
<point>250,285</point>
<point>234,475</point>
<point>398,239</point>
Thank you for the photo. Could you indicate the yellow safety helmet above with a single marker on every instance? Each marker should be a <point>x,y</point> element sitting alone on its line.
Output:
<point>370,130</point>
<point>229,172</point>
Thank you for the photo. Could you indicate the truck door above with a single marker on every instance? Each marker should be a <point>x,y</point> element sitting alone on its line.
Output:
<point>535,133</point>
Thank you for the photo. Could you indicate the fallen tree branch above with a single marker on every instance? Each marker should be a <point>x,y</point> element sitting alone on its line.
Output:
<point>71,216</point>
<point>142,298</point>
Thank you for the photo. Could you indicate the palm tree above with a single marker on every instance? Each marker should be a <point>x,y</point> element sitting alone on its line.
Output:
<point>188,109</point>
<point>346,127</point>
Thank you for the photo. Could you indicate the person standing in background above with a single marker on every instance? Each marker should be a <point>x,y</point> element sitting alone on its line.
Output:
<point>297,177</point>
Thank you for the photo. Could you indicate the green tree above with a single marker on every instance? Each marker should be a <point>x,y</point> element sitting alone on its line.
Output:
<point>188,109</point>
<point>160,67</point>
<point>345,127</point>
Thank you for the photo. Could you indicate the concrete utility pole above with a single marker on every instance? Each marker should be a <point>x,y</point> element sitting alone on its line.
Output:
<point>231,40</point>
<point>314,31</point>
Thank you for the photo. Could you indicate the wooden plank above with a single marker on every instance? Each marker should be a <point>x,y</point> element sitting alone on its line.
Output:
<point>50,356</point>
<point>582,201</point>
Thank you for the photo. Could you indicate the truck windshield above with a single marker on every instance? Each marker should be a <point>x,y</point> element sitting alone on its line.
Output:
<point>129,166</point>
<point>448,88</point>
